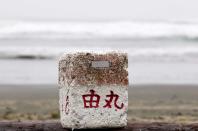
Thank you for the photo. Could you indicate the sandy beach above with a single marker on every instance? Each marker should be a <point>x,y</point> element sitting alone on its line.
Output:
<point>147,103</point>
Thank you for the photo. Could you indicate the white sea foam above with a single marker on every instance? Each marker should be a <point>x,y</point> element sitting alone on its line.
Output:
<point>30,31</point>
<point>100,30</point>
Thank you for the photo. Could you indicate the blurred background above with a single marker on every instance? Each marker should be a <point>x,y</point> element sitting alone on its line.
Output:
<point>160,37</point>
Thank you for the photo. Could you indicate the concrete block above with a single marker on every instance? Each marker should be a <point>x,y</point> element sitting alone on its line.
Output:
<point>93,90</point>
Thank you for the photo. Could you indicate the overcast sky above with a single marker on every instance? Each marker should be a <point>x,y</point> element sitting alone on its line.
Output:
<point>99,9</point>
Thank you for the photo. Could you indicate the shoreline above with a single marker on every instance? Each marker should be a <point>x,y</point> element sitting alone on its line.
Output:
<point>44,91</point>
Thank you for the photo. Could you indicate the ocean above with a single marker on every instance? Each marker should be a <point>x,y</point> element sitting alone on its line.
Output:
<point>160,52</point>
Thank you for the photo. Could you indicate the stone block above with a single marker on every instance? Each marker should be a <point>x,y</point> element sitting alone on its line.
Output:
<point>93,90</point>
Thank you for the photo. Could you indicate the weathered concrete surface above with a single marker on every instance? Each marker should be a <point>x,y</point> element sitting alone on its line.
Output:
<point>77,69</point>
<point>93,90</point>
<point>76,116</point>
<point>56,126</point>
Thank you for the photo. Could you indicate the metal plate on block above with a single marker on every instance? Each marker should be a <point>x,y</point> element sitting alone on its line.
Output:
<point>100,64</point>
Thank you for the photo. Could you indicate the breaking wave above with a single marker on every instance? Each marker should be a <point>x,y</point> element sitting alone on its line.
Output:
<point>99,30</point>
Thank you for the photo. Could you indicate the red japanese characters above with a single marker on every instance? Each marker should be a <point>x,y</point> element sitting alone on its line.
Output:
<point>92,100</point>
<point>108,102</point>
